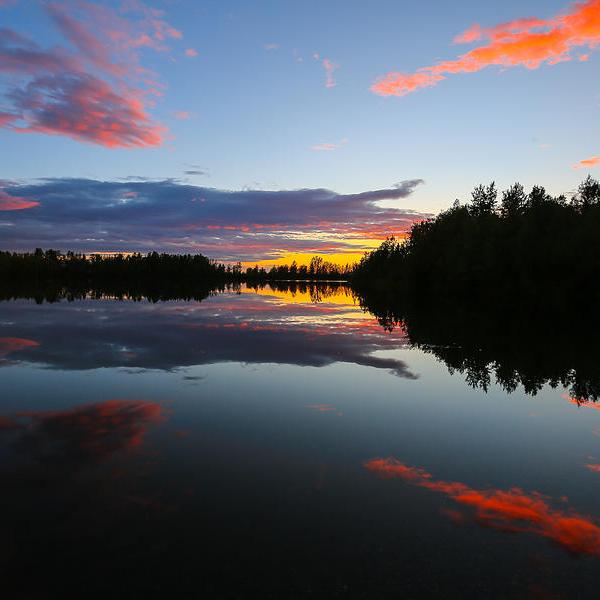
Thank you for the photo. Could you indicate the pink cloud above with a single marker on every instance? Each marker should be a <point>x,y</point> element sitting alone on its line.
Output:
<point>191,52</point>
<point>182,115</point>
<point>98,92</point>
<point>526,42</point>
<point>329,146</point>
<point>87,109</point>
<point>587,163</point>
<point>330,67</point>
<point>8,202</point>
<point>6,119</point>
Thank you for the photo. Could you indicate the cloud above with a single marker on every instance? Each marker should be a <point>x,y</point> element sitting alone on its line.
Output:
<point>330,67</point>
<point>587,163</point>
<point>191,52</point>
<point>182,115</point>
<point>195,172</point>
<point>94,88</point>
<point>271,46</point>
<point>250,225</point>
<point>8,202</point>
<point>510,510</point>
<point>85,108</point>
<point>329,146</point>
<point>526,42</point>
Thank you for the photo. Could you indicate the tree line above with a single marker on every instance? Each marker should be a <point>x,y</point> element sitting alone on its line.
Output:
<point>51,273</point>
<point>514,248</point>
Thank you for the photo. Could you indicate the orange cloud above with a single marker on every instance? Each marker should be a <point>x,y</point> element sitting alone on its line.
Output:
<point>526,42</point>
<point>8,202</point>
<point>587,163</point>
<point>593,468</point>
<point>510,510</point>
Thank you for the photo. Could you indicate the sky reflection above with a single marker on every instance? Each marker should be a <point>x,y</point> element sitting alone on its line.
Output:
<point>112,441</point>
<point>230,327</point>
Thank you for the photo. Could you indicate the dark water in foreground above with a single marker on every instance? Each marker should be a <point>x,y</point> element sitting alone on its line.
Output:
<point>263,443</point>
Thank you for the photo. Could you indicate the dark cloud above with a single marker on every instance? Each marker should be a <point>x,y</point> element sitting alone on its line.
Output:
<point>195,172</point>
<point>90,215</point>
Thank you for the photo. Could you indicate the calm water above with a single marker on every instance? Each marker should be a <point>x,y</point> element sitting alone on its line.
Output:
<point>279,444</point>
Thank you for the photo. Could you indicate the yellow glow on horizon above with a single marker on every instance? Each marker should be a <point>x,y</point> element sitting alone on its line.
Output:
<point>343,297</point>
<point>303,258</point>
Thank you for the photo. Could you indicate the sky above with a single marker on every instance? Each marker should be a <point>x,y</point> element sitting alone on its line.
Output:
<point>271,131</point>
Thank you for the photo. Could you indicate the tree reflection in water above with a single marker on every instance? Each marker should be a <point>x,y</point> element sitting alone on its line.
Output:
<point>511,346</point>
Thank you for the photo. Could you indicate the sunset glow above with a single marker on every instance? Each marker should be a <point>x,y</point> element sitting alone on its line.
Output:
<point>157,130</point>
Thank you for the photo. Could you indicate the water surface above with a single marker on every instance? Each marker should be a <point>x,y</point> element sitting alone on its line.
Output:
<point>284,444</point>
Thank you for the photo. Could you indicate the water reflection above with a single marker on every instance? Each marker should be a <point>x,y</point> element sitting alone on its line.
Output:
<point>508,347</point>
<point>513,510</point>
<point>261,470</point>
<point>80,436</point>
<point>297,325</point>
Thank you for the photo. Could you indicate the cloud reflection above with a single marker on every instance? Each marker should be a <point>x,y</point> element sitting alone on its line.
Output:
<point>245,328</point>
<point>82,435</point>
<point>510,510</point>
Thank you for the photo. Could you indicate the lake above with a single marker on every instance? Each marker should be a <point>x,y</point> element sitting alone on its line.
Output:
<point>280,443</point>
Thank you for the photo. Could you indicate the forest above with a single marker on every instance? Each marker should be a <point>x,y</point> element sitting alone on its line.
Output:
<point>51,274</point>
<point>516,248</point>
<point>504,288</point>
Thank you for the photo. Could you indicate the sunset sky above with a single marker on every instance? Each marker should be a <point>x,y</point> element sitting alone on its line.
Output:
<point>265,131</point>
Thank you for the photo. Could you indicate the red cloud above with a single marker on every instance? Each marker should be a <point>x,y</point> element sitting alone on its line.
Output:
<point>508,510</point>
<point>525,42</point>
<point>8,202</point>
<point>13,344</point>
<point>587,163</point>
<point>98,93</point>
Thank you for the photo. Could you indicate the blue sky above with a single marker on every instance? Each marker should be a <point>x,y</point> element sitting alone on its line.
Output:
<point>257,103</point>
